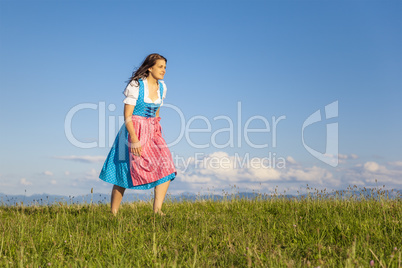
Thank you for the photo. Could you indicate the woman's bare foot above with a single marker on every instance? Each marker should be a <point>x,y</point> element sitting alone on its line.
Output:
<point>160,213</point>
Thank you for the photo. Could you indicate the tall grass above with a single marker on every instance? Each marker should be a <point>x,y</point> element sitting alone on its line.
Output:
<point>316,230</point>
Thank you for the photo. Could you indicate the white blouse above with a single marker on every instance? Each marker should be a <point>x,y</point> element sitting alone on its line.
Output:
<point>132,91</point>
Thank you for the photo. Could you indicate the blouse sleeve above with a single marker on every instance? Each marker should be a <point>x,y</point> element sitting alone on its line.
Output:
<point>131,92</point>
<point>164,91</point>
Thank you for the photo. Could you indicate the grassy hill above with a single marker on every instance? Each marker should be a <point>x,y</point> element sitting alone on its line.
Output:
<point>276,232</point>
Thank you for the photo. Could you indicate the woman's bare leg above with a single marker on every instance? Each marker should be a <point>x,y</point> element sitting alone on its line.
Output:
<point>160,192</point>
<point>117,196</point>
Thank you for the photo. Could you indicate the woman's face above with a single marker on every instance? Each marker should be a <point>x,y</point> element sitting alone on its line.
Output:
<point>158,70</point>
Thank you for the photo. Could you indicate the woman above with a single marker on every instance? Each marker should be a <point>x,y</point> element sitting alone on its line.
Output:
<point>139,157</point>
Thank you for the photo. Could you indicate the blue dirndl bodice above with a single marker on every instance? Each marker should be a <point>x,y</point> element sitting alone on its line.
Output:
<point>143,108</point>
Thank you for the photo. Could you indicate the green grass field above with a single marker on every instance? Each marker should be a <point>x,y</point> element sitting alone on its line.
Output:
<point>264,232</point>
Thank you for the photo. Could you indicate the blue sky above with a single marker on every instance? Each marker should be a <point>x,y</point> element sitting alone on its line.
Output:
<point>276,59</point>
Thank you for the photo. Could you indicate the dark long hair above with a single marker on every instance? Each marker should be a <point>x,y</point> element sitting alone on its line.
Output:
<point>142,71</point>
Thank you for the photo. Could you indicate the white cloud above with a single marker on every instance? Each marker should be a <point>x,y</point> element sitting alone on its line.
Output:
<point>48,173</point>
<point>343,157</point>
<point>291,160</point>
<point>335,159</point>
<point>264,174</point>
<point>219,168</point>
<point>371,166</point>
<point>310,174</point>
<point>354,156</point>
<point>372,174</point>
<point>84,158</point>
<point>224,165</point>
<point>24,182</point>
<point>53,182</point>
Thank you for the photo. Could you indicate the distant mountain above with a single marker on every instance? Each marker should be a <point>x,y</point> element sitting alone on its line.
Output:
<point>97,198</point>
<point>47,199</point>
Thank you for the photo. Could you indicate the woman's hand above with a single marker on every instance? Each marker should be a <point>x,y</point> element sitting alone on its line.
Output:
<point>136,148</point>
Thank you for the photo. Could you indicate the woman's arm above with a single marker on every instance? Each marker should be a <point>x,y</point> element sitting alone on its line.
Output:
<point>128,112</point>
<point>135,145</point>
<point>157,112</point>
